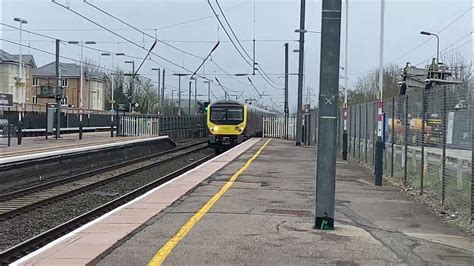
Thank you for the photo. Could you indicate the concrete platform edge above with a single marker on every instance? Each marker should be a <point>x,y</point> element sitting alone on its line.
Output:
<point>30,257</point>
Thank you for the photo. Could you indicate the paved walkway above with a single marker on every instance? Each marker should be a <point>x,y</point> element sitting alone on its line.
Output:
<point>67,141</point>
<point>266,217</point>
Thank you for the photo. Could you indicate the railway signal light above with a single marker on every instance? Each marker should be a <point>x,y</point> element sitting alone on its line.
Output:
<point>203,107</point>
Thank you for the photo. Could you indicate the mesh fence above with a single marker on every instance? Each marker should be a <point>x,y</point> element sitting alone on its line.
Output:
<point>428,144</point>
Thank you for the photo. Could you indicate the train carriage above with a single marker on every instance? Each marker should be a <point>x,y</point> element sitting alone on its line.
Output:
<point>231,122</point>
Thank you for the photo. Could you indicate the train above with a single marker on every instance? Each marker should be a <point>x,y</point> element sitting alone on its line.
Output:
<point>230,122</point>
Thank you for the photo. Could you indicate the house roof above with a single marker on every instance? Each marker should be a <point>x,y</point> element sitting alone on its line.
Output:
<point>69,70</point>
<point>14,58</point>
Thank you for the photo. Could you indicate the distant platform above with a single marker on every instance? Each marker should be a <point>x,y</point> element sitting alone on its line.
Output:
<point>39,146</point>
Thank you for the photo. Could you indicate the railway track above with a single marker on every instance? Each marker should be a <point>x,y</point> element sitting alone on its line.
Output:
<point>23,200</point>
<point>33,243</point>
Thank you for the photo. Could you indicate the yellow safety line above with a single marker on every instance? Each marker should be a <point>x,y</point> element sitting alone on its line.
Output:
<point>161,255</point>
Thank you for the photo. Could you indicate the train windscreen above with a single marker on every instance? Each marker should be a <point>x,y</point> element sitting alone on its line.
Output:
<point>227,115</point>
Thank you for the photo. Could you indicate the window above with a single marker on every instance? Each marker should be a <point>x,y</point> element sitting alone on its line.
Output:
<point>35,82</point>
<point>227,115</point>
<point>235,114</point>
<point>63,101</point>
<point>218,114</point>
<point>64,82</point>
<point>35,100</point>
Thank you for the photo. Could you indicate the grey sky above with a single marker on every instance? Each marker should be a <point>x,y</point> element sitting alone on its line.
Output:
<point>275,20</point>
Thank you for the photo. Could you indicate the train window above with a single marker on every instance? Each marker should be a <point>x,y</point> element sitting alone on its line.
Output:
<point>227,115</point>
<point>235,114</point>
<point>218,114</point>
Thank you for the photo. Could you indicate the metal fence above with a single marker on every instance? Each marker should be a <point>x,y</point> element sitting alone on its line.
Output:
<point>276,127</point>
<point>428,145</point>
<point>139,126</point>
<point>177,127</point>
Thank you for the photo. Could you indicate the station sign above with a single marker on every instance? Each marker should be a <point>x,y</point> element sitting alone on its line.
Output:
<point>6,100</point>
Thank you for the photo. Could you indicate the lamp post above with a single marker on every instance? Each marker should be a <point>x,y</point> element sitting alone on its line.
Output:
<point>345,142</point>
<point>179,89</point>
<point>112,88</point>
<point>132,85</point>
<point>112,79</point>
<point>158,87</point>
<point>81,82</point>
<point>208,90</point>
<point>172,101</point>
<point>437,42</point>
<point>300,50</point>
<point>20,70</point>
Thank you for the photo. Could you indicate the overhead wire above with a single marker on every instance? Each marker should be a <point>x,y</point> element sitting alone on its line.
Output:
<point>53,54</point>
<point>232,30</point>
<point>144,33</point>
<point>466,11</point>
<point>161,41</point>
<point>227,33</point>
<point>124,38</point>
<point>66,42</point>
<point>240,44</point>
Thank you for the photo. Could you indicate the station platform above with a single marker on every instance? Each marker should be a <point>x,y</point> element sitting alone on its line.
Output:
<point>32,145</point>
<point>254,205</point>
<point>39,146</point>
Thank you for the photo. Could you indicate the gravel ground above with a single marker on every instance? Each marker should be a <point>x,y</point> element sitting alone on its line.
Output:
<point>19,228</point>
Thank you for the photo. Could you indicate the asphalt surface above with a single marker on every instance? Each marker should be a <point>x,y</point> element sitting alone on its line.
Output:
<point>267,217</point>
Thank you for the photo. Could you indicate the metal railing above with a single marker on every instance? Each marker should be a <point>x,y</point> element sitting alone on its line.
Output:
<point>139,126</point>
<point>177,127</point>
<point>275,127</point>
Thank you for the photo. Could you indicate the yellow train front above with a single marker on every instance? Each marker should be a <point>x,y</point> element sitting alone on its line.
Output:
<point>230,123</point>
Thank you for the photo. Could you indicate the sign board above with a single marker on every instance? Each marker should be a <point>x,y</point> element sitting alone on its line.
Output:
<point>51,110</point>
<point>6,99</point>
<point>449,137</point>
<point>121,107</point>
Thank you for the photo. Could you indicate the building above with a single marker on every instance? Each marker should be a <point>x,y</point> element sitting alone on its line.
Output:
<point>93,91</point>
<point>9,76</point>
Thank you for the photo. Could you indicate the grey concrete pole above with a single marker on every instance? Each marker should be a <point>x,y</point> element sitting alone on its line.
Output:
<point>189,98</point>
<point>195,94</point>
<point>133,84</point>
<point>328,108</point>
<point>158,91</point>
<point>58,92</point>
<point>300,75</point>
<point>344,109</point>
<point>209,91</point>
<point>378,166</point>
<point>286,91</point>
<point>162,93</point>
<point>179,95</point>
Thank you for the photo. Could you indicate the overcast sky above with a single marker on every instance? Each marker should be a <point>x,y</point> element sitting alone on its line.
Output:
<point>275,22</point>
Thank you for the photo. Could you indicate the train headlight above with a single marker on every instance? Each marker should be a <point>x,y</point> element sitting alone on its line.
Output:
<point>211,129</point>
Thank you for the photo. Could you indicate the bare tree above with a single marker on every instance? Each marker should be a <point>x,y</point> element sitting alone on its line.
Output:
<point>462,67</point>
<point>366,88</point>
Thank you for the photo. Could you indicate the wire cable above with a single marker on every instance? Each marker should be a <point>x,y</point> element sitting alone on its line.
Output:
<point>232,31</point>
<point>240,44</point>
<point>139,30</point>
<point>122,37</point>
<point>53,54</point>
<point>421,44</point>
<point>227,33</point>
